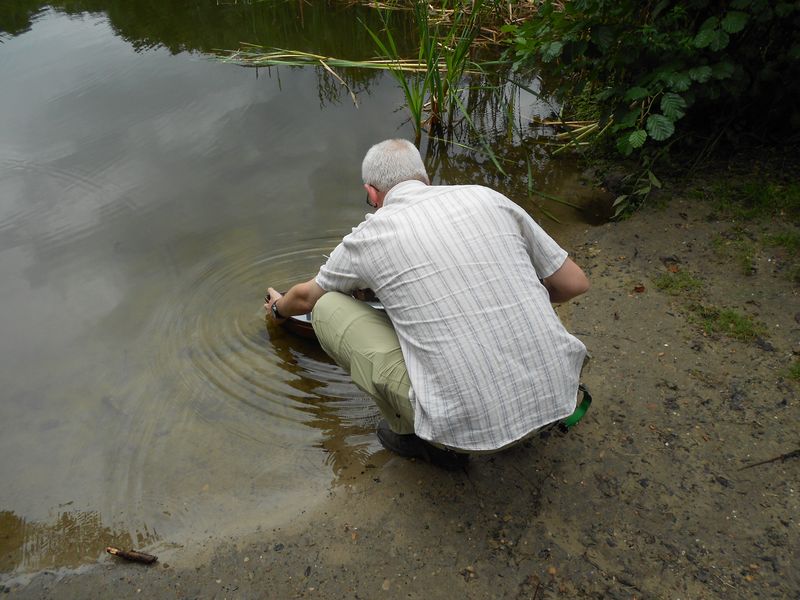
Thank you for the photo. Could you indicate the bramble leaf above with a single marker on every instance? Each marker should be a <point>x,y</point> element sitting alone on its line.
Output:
<point>659,127</point>
<point>700,74</point>
<point>673,106</point>
<point>720,40</point>
<point>722,70</point>
<point>734,21</point>
<point>637,138</point>
<point>704,38</point>
<point>678,82</point>
<point>551,51</point>
<point>624,146</point>
<point>635,93</point>
<point>627,120</point>
<point>710,23</point>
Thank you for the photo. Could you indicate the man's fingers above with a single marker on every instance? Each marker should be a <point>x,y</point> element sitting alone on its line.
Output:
<point>271,296</point>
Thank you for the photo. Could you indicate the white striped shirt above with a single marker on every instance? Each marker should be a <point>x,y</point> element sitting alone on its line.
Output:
<point>457,269</point>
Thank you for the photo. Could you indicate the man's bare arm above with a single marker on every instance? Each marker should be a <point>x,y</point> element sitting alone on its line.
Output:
<point>300,299</point>
<point>566,283</point>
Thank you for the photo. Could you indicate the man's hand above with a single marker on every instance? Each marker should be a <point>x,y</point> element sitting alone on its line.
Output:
<point>271,298</point>
<point>299,300</point>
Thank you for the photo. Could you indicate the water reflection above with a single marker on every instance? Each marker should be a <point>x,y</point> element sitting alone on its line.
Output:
<point>330,28</point>
<point>146,200</point>
<point>72,538</point>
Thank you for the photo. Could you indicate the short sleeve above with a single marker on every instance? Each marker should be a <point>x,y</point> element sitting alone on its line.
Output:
<point>339,273</point>
<point>546,255</point>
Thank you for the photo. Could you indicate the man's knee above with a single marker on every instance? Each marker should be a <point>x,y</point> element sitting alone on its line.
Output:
<point>327,305</point>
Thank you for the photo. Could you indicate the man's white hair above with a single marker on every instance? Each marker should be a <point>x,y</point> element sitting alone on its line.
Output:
<point>390,162</point>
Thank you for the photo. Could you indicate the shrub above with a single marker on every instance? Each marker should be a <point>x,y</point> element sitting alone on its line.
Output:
<point>665,67</point>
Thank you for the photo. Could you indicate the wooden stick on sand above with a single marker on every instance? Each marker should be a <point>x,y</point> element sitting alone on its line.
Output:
<point>132,555</point>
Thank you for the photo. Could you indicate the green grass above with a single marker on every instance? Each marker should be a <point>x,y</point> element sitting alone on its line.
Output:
<point>794,370</point>
<point>752,199</point>
<point>736,244</point>
<point>726,321</point>
<point>742,246</point>
<point>745,255</point>
<point>788,241</point>
<point>678,284</point>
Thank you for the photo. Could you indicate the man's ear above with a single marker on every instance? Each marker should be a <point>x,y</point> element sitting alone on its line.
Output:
<point>372,193</point>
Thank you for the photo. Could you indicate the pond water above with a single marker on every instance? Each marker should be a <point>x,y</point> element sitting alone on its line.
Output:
<point>148,196</point>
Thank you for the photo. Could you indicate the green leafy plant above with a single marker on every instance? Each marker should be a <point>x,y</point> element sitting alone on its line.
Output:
<point>663,70</point>
<point>640,183</point>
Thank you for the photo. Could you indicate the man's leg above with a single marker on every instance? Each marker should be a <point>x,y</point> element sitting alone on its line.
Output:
<point>362,341</point>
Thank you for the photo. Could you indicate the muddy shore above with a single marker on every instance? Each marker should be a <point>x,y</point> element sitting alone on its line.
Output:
<point>651,496</point>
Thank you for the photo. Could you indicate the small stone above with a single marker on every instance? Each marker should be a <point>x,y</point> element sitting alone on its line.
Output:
<point>386,584</point>
<point>278,547</point>
<point>765,345</point>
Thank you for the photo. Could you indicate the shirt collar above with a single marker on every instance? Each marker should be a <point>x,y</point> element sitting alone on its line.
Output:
<point>401,187</point>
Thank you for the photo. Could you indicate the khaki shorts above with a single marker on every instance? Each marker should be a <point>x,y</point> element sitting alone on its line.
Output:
<point>363,342</point>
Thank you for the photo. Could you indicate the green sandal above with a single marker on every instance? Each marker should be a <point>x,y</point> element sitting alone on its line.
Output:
<point>572,420</point>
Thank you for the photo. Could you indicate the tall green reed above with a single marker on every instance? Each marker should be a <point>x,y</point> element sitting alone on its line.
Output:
<point>443,57</point>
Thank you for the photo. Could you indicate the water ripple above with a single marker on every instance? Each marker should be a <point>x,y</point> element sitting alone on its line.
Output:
<point>234,363</point>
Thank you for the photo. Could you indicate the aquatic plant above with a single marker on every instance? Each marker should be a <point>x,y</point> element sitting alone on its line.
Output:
<point>443,57</point>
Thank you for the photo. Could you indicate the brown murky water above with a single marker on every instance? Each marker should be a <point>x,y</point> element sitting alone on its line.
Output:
<point>148,195</point>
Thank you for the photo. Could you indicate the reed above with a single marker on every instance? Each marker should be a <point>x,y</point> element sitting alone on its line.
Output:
<point>443,58</point>
<point>415,86</point>
<point>432,81</point>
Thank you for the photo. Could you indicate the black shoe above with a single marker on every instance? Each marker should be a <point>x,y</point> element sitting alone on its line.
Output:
<point>411,446</point>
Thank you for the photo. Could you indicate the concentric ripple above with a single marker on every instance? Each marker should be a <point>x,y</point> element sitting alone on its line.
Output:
<point>241,369</point>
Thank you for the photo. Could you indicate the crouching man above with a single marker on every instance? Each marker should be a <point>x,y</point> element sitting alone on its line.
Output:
<point>470,355</point>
